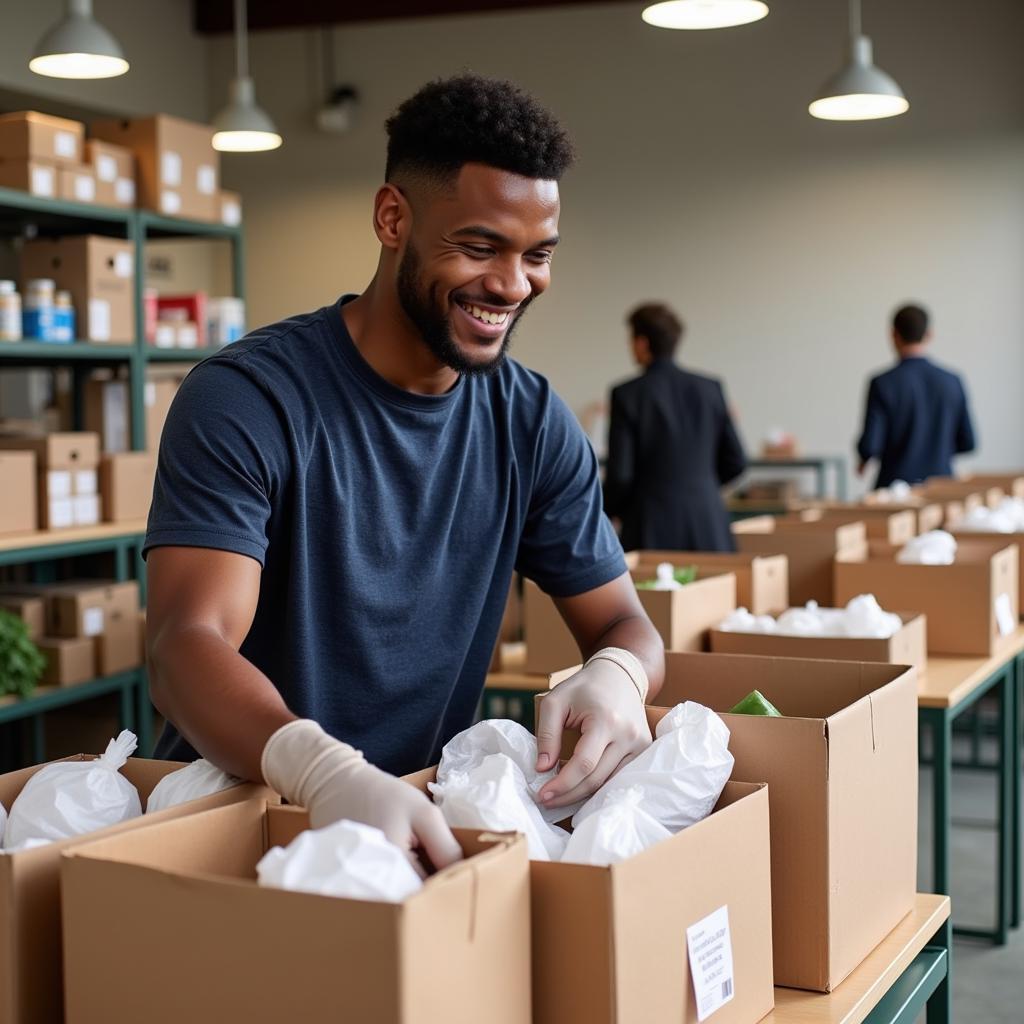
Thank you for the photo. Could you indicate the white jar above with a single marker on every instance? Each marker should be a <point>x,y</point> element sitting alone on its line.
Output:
<point>37,315</point>
<point>10,312</point>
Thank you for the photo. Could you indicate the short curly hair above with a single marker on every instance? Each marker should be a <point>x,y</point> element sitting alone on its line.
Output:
<point>472,119</point>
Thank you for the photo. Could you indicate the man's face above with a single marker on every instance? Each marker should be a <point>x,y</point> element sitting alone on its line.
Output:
<point>477,255</point>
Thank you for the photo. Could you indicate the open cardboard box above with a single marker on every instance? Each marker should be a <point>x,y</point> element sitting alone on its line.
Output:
<point>971,492</point>
<point>682,618</point>
<point>930,515</point>
<point>841,768</point>
<point>907,646</point>
<point>992,537</point>
<point>198,940</point>
<point>30,918</point>
<point>609,943</point>
<point>896,526</point>
<point>809,547</point>
<point>762,581</point>
<point>1011,483</point>
<point>961,600</point>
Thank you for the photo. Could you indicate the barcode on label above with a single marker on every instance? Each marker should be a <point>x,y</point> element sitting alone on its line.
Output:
<point>727,988</point>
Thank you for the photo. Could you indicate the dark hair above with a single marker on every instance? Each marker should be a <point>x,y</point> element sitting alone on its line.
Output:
<point>472,119</point>
<point>910,324</point>
<point>659,325</point>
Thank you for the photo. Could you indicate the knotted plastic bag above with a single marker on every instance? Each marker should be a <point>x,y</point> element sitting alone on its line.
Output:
<point>682,773</point>
<point>195,780</point>
<point>347,859</point>
<point>73,798</point>
<point>494,795</point>
<point>3,823</point>
<point>620,828</point>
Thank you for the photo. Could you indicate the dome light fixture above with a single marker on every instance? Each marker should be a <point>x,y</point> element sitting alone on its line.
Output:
<point>860,91</point>
<point>78,46</point>
<point>242,126</point>
<point>704,14</point>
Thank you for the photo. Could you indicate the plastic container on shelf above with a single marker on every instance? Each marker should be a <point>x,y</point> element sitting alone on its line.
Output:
<point>63,318</point>
<point>10,312</point>
<point>225,320</point>
<point>37,316</point>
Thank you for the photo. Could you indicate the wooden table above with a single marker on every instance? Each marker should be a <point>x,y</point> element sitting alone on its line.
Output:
<point>947,688</point>
<point>907,972</point>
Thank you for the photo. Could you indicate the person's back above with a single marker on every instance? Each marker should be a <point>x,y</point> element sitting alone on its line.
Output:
<point>917,417</point>
<point>672,444</point>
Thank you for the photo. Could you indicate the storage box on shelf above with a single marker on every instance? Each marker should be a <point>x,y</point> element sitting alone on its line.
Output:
<point>19,509</point>
<point>30,135</point>
<point>114,170</point>
<point>76,184</point>
<point>29,609</point>
<point>126,485</point>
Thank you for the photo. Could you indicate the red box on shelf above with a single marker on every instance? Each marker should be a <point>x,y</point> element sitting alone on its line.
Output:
<point>193,306</point>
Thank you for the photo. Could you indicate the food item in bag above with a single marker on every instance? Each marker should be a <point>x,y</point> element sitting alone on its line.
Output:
<point>195,780</point>
<point>756,703</point>
<point>620,828</point>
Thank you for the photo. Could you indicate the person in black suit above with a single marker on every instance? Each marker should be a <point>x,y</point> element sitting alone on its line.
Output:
<point>916,417</point>
<point>671,446</point>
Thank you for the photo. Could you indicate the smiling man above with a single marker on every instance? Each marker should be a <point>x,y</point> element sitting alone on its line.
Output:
<point>342,498</point>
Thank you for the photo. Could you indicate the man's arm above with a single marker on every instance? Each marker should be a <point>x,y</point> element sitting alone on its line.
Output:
<point>602,699</point>
<point>964,428</point>
<point>621,463</point>
<point>872,438</point>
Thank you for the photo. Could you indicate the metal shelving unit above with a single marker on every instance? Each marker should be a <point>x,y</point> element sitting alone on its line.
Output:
<point>25,215</point>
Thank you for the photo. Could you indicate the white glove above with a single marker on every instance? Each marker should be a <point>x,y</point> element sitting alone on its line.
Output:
<point>604,700</point>
<point>334,782</point>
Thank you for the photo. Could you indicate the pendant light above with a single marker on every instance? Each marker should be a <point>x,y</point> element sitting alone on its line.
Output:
<point>78,46</point>
<point>242,126</point>
<point>860,91</point>
<point>701,14</point>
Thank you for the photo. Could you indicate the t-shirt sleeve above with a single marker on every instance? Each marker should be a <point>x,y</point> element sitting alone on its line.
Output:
<point>222,457</point>
<point>568,545</point>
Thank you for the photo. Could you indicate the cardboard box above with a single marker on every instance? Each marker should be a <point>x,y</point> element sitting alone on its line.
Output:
<point>999,539</point>
<point>68,450</point>
<point>114,169</point>
<point>1011,483</point>
<point>37,177</point>
<point>455,950</point>
<point>930,514</point>
<point>177,168</point>
<point>762,581</point>
<point>682,618</point>
<point>609,943</point>
<point>908,646</point>
<point>31,611</point>
<point>68,661</point>
<point>809,548</point>
<point>18,510</point>
<point>126,485</point>
<point>86,607</point>
<point>157,397</point>
<point>100,275</point>
<point>77,184</point>
<point>86,509</point>
<point>107,412</point>
<point>30,921</point>
<point>894,527</point>
<point>230,206</point>
<point>29,135</point>
<point>117,647</point>
<point>970,491</point>
<point>961,600</point>
<point>841,769</point>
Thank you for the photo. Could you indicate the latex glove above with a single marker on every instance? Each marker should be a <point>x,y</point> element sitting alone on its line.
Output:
<point>333,781</point>
<point>602,701</point>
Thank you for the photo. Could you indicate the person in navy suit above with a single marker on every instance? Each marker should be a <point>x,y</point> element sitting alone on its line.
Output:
<point>671,446</point>
<point>916,417</point>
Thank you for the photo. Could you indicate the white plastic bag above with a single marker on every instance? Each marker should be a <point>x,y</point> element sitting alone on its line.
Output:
<point>1006,517</point>
<point>620,828</point>
<point>933,548</point>
<point>195,780</point>
<point>345,859</point>
<point>72,798</point>
<point>493,795</point>
<point>3,823</point>
<point>861,618</point>
<point>682,773</point>
<point>665,577</point>
<point>466,751</point>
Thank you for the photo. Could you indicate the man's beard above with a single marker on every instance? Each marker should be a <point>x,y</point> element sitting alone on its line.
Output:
<point>433,325</point>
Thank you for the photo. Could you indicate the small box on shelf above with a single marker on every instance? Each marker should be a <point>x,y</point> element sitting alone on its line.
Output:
<point>30,135</point>
<point>18,510</point>
<point>37,177</point>
<point>69,660</point>
<point>114,168</point>
<point>77,184</point>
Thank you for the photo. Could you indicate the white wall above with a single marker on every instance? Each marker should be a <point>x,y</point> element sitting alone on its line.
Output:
<point>784,242</point>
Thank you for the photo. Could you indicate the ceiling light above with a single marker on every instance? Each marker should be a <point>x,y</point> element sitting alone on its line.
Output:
<point>78,46</point>
<point>242,126</point>
<point>860,91</point>
<point>701,14</point>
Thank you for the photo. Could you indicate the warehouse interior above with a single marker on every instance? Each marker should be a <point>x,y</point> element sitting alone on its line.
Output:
<point>781,244</point>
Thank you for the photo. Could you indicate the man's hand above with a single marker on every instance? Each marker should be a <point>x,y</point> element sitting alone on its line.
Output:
<point>333,781</point>
<point>602,701</point>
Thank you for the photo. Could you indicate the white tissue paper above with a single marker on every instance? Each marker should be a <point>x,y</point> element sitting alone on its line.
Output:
<point>933,548</point>
<point>861,618</point>
<point>665,577</point>
<point>620,828</point>
<point>897,491</point>
<point>345,859</point>
<point>1006,517</point>
<point>467,750</point>
<point>494,795</point>
<point>682,773</point>
<point>72,798</point>
<point>195,780</point>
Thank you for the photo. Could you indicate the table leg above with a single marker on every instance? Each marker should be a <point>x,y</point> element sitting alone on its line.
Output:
<point>1015,818</point>
<point>1007,790</point>
<point>940,1005</point>
<point>942,772</point>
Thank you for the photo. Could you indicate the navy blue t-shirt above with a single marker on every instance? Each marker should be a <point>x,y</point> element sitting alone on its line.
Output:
<point>387,524</point>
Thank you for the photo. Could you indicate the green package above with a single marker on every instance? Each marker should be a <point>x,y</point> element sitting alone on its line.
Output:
<point>756,703</point>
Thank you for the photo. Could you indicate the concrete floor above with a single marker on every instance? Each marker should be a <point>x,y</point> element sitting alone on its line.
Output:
<point>988,981</point>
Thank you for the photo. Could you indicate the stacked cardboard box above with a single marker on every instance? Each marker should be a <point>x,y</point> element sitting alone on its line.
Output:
<point>31,610</point>
<point>19,509</point>
<point>114,172</point>
<point>43,155</point>
<point>105,613</point>
<point>67,481</point>
<point>126,485</point>
<point>1011,483</point>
